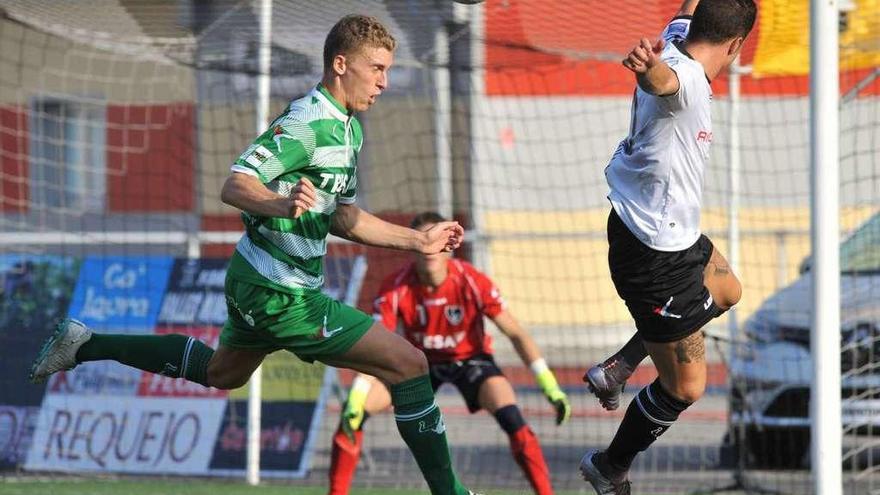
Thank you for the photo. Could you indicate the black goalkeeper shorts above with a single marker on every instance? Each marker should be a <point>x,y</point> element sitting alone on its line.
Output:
<point>467,376</point>
<point>663,291</point>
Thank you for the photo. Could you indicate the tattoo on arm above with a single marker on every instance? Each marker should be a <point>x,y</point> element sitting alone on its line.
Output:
<point>690,349</point>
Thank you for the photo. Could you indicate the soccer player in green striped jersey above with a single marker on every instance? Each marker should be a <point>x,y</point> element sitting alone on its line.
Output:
<point>296,184</point>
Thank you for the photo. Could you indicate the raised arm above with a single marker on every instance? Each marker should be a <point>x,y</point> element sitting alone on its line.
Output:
<point>687,7</point>
<point>355,224</point>
<point>652,74</point>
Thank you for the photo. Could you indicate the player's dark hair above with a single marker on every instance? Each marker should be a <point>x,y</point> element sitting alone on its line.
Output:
<point>425,218</point>
<point>717,21</point>
<point>354,32</point>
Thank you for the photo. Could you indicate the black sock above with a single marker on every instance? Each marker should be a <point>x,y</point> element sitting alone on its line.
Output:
<point>648,416</point>
<point>622,364</point>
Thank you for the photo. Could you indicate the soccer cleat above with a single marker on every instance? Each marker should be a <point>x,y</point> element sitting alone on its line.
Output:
<point>604,386</point>
<point>602,483</point>
<point>59,351</point>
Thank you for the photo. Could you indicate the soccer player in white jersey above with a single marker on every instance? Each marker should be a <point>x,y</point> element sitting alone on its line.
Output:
<point>296,184</point>
<point>670,276</point>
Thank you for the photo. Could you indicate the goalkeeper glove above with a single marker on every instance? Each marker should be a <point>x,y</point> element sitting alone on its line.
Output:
<point>547,381</point>
<point>353,412</point>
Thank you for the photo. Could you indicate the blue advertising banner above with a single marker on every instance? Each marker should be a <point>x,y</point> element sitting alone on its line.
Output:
<point>122,293</point>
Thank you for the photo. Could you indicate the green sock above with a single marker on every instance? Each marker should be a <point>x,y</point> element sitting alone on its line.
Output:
<point>172,355</point>
<point>421,426</point>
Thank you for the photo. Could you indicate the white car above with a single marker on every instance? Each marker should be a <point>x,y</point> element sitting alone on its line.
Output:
<point>772,372</point>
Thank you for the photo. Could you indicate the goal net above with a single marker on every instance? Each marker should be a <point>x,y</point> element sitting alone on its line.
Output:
<point>119,120</point>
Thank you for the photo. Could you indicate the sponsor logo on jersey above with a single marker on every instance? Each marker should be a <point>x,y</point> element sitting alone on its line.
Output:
<point>258,156</point>
<point>704,136</point>
<point>454,314</point>
<point>437,341</point>
<point>278,135</point>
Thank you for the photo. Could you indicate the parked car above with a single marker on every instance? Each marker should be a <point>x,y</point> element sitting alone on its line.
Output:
<point>772,371</point>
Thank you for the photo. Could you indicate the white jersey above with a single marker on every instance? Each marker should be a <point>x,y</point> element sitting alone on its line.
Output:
<point>656,173</point>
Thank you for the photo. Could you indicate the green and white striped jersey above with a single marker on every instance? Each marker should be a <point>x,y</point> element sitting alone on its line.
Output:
<point>315,138</point>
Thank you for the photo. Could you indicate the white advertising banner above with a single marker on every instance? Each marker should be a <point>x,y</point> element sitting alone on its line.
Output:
<point>126,434</point>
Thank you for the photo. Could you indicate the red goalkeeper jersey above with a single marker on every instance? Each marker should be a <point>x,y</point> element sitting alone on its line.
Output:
<point>446,323</point>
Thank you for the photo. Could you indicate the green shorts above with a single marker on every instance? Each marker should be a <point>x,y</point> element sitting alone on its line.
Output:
<point>308,324</point>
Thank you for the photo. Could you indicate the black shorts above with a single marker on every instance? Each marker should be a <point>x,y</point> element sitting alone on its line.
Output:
<point>663,291</point>
<point>467,376</point>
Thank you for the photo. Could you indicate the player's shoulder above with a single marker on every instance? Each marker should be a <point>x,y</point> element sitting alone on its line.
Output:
<point>466,269</point>
<point>401,277</point>
<point>305,109</point>
<point>677,29</point>
<point>673,51</point>
<point>678,59</point>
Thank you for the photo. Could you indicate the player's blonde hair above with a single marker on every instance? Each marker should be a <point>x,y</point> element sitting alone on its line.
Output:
<point>352,34</point>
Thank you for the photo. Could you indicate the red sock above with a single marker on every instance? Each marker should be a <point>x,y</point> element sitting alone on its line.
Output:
<point>343,461</point>
<point>527,453</point>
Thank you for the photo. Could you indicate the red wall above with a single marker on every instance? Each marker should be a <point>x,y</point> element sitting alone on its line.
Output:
<point>14,188</point>
<point>150,158</point>
<point>526,43</point>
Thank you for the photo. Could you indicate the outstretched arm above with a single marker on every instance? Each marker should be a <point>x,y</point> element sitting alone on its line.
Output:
<point>652,74</point>
<point>531,356</point>
<point>357,225</point>
<point>522,342</point>
<point>687,7</point>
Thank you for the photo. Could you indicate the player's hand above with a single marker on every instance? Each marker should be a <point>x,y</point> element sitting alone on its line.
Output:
<point>644,55</point>
<point>547,381</point>
<point>442,237</point>
<point>303,197</point>
<point>560,402</point>
<point>352,417</point>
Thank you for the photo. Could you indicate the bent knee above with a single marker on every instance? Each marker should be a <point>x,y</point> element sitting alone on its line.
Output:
<point>409,362</point>
<point>414,363</point>
<point>225,381</point>
<point>690,393</point>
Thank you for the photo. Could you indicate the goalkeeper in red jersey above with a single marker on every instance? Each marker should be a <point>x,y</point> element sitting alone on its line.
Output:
<point>438,304</point>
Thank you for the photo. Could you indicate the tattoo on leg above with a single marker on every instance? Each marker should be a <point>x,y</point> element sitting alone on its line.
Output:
<point>720,265</point>
<point>690,349</point>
